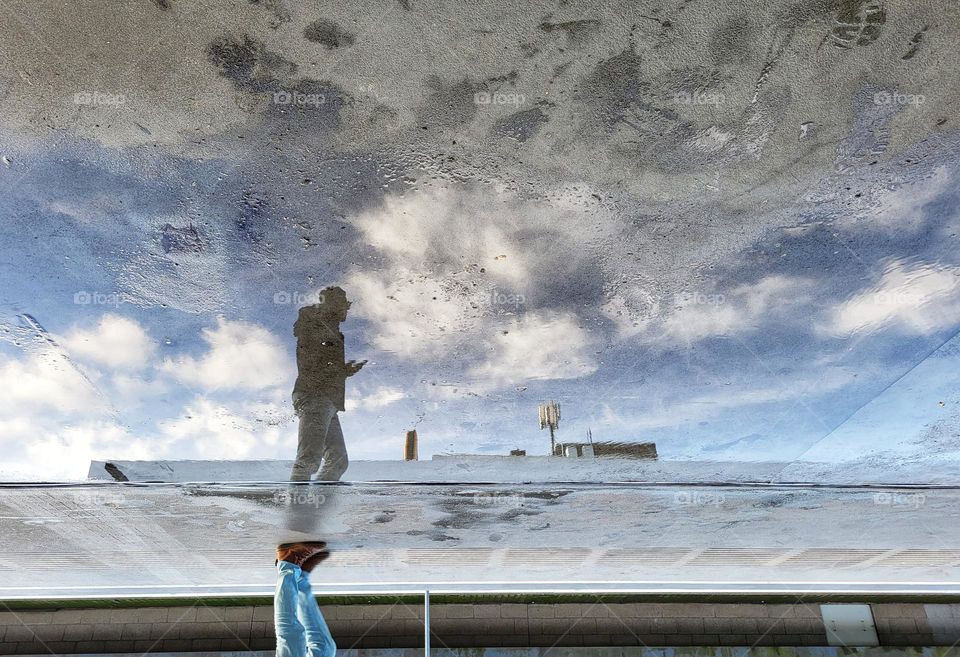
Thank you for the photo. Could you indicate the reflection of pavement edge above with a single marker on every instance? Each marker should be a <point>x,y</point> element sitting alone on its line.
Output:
<point>330,598</point>
<point>924,591</point>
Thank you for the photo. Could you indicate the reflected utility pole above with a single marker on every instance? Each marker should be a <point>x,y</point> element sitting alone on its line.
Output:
<point>550,417</point>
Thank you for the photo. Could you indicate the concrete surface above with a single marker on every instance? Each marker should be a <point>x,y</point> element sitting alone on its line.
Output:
<point>129,540</point>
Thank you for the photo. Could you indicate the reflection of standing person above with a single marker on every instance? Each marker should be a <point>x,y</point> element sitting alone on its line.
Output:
<point>300,626</point>
<point>319,391</point>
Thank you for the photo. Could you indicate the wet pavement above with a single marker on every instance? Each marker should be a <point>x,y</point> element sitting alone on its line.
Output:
<point>121,540</point>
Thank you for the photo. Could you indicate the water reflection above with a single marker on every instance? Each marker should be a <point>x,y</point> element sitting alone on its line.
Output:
<point>677,254</point>
<point>319,391</point>
<point>318,396</point>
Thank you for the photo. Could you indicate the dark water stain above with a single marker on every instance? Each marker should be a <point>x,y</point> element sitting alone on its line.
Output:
<point>612,88</point>
<point>164,5</point>
<point>433,535</point>
<point>249,65</point>
<point>771,502</point>
<point>449,104</point>
<point>313,103</point>
<point>328,34</point>
<point>915,43</point>
<point>574,29</point>
<point>510,77</point>
<point>528,50</point>
<point>453,104</point>
<point>181,240</point>
<point>855,22</point>
<point>733,41</point>
<point>518,512</point>
<point>461,515</point>
<point>471,510</point>
<point>547,495</point>
<point>644,112</point>
<point>522,125</point>
<point>406,5</point>
<point>235,59</point>
<point>858,23</point>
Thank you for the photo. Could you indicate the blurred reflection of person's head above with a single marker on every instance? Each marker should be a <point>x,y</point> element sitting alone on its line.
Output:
<point>332,304</point>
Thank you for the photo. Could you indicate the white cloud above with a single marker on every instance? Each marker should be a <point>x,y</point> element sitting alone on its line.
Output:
<point>537,346</point>
<point>461,268</point>
<point>695,315</point>
<point>241,355</point>
<point>377,399</point>
<point>699,315</point>
<point>213,431</point>
<point>45,381</point>
<point>53,420</point>
<point>901,208</point>
<point>448,253</point>
<point>133,391</point>
<point>67,453</point>
<point>115,342</point>
<point>442,226</point>
<point>40,449</point>
<point>412,314</point>
<point>918,299</point>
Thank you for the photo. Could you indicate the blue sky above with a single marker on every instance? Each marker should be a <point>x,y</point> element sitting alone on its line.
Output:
<point>170,328</point>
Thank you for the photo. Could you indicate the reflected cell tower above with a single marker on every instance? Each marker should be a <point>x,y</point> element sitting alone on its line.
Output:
<point>550,417</point>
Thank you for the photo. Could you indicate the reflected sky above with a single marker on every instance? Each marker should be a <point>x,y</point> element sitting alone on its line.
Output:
<point>741,247</point>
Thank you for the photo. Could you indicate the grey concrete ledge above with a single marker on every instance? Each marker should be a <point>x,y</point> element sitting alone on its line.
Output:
<point>506,625</point>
